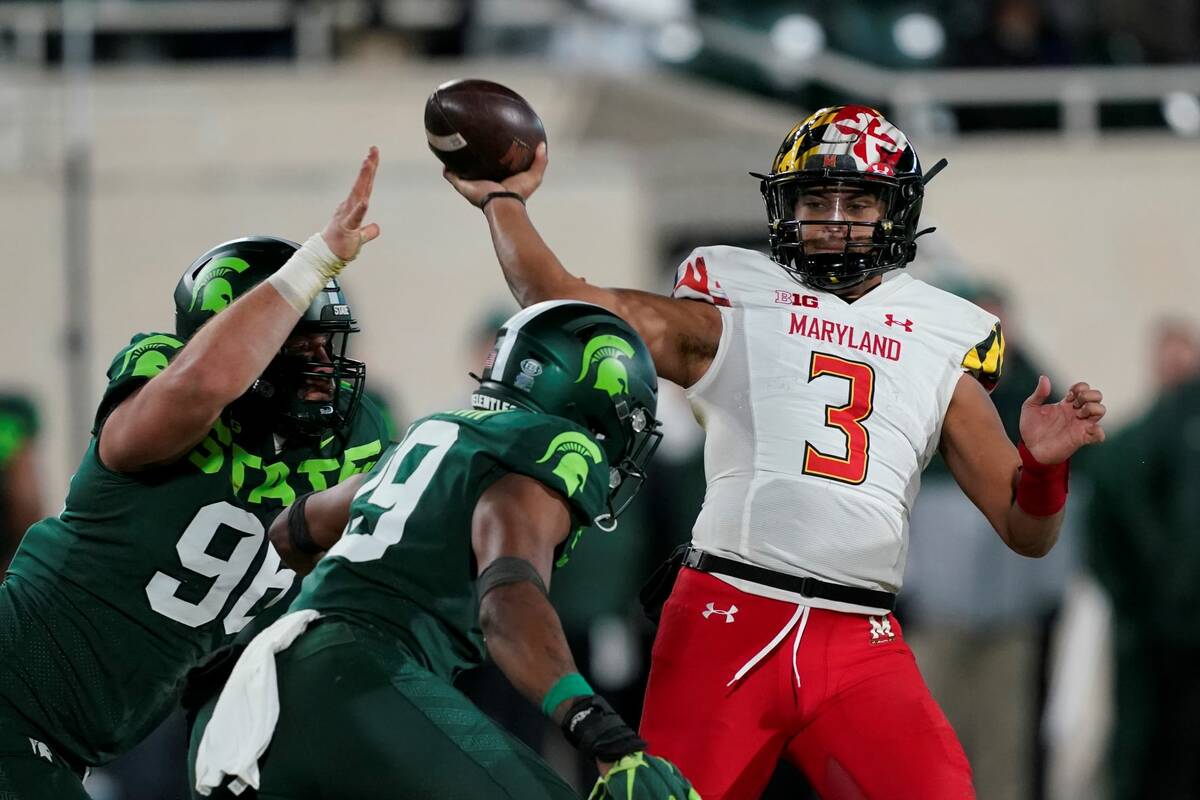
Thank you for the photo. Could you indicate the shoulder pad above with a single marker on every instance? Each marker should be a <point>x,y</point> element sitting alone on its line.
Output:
<point>146,355</point>
<point>559,454</point>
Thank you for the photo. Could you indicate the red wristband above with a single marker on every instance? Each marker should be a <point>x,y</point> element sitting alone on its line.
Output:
<point>1042,488</point>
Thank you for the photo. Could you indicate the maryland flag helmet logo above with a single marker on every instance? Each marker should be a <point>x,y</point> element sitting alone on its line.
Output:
<point>844,157</point>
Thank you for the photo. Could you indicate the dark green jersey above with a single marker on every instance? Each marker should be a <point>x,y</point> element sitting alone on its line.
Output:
<point>406,565</point>
<point>108,605</point>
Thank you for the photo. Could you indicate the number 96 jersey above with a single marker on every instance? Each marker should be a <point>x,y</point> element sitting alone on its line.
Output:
<point>821,414</point>
<point>108,605</point>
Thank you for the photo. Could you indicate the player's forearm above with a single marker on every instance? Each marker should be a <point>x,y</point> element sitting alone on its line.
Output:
<point>1028,535</point>
<point>230,352</point>
<point>305,530</point>
<point>525,639</point>
<point>174,410</point>
<point>530,267</point>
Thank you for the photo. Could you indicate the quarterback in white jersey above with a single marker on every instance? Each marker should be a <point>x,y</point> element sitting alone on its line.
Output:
<point>825,382</point>
<point>820,415</point>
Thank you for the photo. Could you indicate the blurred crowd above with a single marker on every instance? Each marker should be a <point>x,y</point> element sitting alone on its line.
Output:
<point>994,33</point>
<point>1066,677</point>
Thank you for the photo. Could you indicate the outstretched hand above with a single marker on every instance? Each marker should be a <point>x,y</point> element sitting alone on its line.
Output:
<point>345,234</point>
<point>641,776</point>
<point>1053,432</point>
<point>523,183</point>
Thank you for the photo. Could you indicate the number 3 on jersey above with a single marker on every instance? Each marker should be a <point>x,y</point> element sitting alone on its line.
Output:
<point>852,467</point>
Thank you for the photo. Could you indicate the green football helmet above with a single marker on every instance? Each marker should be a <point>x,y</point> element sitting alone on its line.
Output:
<point>582,362</point>
<point>228,271</point>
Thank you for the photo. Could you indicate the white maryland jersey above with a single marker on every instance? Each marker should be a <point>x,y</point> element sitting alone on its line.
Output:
<point>820,415</point>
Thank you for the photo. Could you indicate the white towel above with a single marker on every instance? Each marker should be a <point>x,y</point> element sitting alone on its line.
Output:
<point>243,721</point>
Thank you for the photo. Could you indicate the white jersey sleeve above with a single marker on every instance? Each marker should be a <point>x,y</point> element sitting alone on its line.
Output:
<point>693,281</point>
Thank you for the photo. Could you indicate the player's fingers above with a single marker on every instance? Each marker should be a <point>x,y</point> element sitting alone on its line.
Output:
<point>355,217</point>
<point>1095,433</point>
<point>1090,410</point>
<point>365,177</point>
<point>454,181</point>
<point>1076,390</point>
<point>653,780</point>
<point>373,157</point>
<point>1088,396</point>
<point>1040,392</point>
<point>369,233</point>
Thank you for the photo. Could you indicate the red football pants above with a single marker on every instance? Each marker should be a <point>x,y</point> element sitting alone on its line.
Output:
<point>839,695</point>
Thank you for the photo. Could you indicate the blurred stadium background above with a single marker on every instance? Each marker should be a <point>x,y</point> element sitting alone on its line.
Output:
<point>134,134</point>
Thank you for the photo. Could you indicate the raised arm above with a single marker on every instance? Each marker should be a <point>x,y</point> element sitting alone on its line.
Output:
<point>175,409</point>
<point>682,334</point>
<point>1021,493</point>
<point>313,524</point>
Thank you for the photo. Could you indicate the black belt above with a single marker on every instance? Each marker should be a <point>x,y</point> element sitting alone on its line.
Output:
<point>805,587</point>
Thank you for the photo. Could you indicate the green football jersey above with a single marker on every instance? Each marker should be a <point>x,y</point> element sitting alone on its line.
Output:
<point>406,565</point>
<point>108,605</point>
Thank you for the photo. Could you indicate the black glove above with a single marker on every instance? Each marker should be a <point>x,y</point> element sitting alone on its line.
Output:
<point>597,731</point>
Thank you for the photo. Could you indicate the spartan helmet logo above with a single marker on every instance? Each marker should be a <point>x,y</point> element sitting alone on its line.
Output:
<point>212,291</point>
<point>611,375</point>
<point>572,468</point>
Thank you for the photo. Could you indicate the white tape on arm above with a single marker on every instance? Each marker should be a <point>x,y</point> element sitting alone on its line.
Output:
<point>305,274</point>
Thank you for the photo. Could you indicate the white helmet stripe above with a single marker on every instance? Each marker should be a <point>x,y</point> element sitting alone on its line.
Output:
<point>520,320</point>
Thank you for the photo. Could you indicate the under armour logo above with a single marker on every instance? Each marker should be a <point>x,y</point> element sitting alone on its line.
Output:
<point>713,610</point>
<point>41,750</point>
<point>906,324</point>
<point>881,630</point>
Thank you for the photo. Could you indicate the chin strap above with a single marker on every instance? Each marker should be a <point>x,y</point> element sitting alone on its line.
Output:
<point>934,170</point>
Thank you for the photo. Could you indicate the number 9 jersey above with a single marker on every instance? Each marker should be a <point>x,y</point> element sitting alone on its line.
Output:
<point>821,414</point>
<point>108,605</point>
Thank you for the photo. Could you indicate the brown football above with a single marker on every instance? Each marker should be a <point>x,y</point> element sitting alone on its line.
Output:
<point>481,130</point>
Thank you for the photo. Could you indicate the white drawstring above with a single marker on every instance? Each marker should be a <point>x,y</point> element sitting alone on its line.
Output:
<point>796,644</point>
<point>801,612</point>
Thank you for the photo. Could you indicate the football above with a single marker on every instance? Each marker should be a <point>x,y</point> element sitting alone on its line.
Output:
<point>481,130</point>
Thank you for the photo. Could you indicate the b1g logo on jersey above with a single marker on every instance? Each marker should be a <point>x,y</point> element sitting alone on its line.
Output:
<point>785,298</point>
